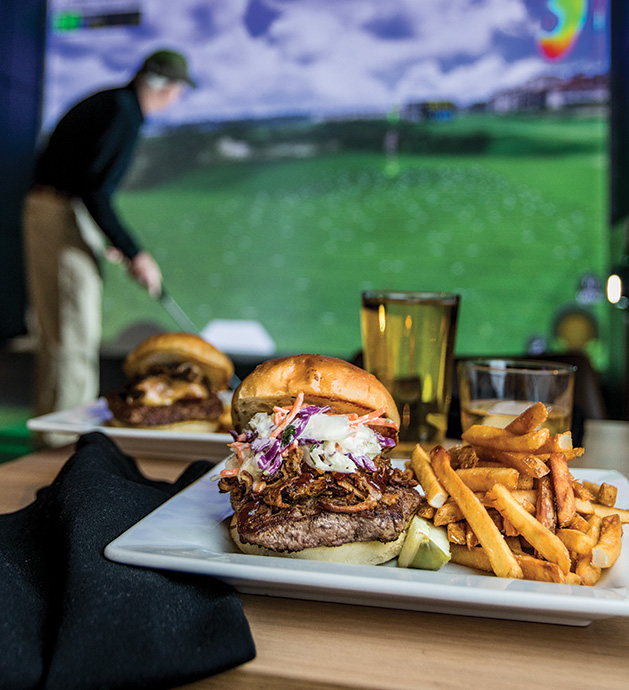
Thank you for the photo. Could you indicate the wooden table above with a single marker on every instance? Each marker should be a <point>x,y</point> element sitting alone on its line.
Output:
<point>319,646</point>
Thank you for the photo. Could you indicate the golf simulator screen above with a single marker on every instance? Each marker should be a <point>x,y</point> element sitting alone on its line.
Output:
<point>334,146</point>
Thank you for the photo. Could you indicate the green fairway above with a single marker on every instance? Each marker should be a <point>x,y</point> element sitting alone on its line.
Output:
<point>292,241</point>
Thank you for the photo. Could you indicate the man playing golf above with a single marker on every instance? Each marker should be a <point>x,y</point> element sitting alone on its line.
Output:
<point>68,220</point>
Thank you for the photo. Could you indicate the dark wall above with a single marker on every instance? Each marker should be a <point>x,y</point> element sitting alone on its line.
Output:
<point>619,140</point>
<point>22,41</point>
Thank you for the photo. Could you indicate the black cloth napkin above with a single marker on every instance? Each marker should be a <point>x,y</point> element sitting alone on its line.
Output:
<point>72,620</point>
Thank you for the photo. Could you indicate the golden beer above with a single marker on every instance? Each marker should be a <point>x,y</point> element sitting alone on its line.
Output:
<point>408,344</point>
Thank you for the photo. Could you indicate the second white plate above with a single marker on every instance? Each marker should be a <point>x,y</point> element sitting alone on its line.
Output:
<point>175,445</point>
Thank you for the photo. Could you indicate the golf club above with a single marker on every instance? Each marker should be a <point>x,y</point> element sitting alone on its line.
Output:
<point>186,324</point>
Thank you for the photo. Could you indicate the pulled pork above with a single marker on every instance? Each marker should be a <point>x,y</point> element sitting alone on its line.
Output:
<point>301,507</point>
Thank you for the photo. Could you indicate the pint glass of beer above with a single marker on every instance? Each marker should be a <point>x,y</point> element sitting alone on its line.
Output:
<point>408,344</point>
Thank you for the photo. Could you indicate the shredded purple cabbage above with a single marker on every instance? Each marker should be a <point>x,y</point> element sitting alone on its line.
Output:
<point>303,416</point>
<point>269,450</point>
<point>262,445</point>
<point>249,435</point>
<point>363,461</point>
<point>384,441</point>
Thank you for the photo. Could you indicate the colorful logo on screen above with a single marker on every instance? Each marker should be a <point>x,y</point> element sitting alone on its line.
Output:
<point>570,16</point>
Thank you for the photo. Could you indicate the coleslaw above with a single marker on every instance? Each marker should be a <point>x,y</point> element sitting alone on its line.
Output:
<point>329,442</point>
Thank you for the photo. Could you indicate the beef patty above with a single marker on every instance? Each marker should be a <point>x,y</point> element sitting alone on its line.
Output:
<point>183,410</point>
<point>306,524</point>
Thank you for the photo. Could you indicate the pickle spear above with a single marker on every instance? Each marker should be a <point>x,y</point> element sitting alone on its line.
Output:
<point>425,546</point>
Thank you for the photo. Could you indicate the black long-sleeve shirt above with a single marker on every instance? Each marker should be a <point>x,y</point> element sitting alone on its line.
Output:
<point>88,153</point>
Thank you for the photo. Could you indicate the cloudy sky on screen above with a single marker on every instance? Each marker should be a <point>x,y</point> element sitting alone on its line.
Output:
<point>270,57</point>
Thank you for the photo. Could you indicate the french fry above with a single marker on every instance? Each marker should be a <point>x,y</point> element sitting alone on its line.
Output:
<point>540,570</point>
<point>463,457</point>
<point>532,568</point>
<point>584,507</point>
<point>456,532</point>
<point>590,574</point>
<point>525,496</point>
<point>525,482</point>
<point>573,579</point>
<point>514,544</point>
<point>435,494</point>
<point>470,538</point>
<point>472,558</point>
<point>557,443</point>
<point>570,454</point>
<point>425,511</point>
<point>576,541</point>
<point>512,507</point>
<point>545,504</point>
<point>497,518</point>
<point>529,420</point>
<point>542,539</point>
<point>582,492</point>
<point>580,523</point>
<point>509,529</point>
<point>595,523</point>
<point>607,550</point>
<point>451,512</point>
<point>603,511</point>
<point>607,495</point>
<point>448,513</point>
<point>526,463</point>
<point>500,439</point>
<point>562,487</point>
<point>592,487</point>
<point>599,493</point>
<point>483,478</point>
<point>502,561</point>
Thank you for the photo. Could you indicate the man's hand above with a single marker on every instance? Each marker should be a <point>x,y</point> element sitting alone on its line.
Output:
<point>144,269</point>
<point>115,256</point>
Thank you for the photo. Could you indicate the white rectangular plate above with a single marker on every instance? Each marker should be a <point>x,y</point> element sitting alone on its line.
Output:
<point>176,445</point>
<point>189,533</point>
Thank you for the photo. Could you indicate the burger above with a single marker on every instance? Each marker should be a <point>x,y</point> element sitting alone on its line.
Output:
<point>309,476</point>
<point>174,382</point>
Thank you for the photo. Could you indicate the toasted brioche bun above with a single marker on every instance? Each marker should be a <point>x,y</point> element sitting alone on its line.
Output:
<point>192,426</point>
<point>357,552</point>
<point>177,348</point>
<point>323,381</point>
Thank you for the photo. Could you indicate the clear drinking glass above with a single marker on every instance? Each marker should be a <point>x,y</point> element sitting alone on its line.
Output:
<point>408,344</point>
<point>495,391</point>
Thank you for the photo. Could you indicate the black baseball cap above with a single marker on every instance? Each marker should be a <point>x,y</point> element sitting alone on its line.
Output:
<point>169,64</point>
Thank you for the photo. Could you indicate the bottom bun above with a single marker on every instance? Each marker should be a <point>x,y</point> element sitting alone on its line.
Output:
<point>357,552</point>
<point>192,426</point>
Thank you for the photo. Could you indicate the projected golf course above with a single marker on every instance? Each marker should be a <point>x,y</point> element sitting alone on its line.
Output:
<point>290,227</point>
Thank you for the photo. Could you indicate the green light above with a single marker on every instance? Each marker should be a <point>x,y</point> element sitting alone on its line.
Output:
<point>67,21</point>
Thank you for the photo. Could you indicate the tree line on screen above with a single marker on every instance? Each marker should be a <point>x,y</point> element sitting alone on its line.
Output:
<point>173,152</point>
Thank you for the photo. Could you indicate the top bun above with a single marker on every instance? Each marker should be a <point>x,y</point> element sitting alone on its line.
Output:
<point>323,381</point>
<point>177,348</point>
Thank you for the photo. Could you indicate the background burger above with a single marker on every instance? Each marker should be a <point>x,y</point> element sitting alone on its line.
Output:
<point>308,478</point>
<point>173,382</point>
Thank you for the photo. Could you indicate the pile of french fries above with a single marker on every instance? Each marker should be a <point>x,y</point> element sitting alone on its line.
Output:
<point>512,507</point>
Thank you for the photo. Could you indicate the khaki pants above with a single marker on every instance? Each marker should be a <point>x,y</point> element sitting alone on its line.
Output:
<point>62,248</point>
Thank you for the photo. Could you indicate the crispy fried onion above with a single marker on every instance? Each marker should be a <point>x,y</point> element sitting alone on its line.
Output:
<point>337,492</point>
